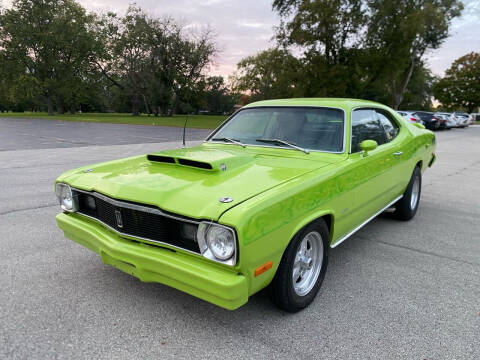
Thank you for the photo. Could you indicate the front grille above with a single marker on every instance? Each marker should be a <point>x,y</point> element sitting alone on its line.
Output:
<point>139,221</point>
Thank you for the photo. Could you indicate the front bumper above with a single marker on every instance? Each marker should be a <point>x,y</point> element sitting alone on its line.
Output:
<point>184,272</point>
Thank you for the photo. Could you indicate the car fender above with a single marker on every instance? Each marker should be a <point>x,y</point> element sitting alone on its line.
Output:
<point>263,238</point>
<point>313,217</point>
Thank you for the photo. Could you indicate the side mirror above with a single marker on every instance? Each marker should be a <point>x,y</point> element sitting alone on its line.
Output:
<point>368,145</point>
<point>418,125</point>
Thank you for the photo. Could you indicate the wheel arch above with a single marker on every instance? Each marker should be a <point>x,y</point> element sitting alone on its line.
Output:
<point>327,215</point>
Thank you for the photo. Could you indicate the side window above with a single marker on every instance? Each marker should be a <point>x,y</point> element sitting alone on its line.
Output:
<point>366,126</point>
<point>389,125</point>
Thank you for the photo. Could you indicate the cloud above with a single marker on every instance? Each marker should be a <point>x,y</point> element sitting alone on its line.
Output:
<point>242,27</point>
<point>464,38</point>
<point>245,27</point>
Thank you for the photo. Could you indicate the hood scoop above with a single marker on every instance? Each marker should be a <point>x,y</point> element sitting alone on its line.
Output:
<point>195,163</point>
<point>160,158</point>
<point>204,158</point>
<point>180,161</point>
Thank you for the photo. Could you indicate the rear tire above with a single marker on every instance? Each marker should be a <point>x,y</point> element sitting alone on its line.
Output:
<point>406,207</point>
<point>302,268</point>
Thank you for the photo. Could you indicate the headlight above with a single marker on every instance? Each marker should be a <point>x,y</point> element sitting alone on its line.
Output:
<point>65,197</point>
<point>217,242</point>
<point>221,242</point>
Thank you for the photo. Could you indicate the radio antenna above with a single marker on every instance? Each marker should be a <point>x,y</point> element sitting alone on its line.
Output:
<point>184,128</point>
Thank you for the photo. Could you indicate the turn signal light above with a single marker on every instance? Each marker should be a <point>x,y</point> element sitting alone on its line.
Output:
<point>263,268</point>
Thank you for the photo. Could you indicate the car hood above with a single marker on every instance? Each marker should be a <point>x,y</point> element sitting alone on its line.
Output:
<point>191,181</point>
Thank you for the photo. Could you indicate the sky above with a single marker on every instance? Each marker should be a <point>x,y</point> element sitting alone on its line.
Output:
<point>245,27</point>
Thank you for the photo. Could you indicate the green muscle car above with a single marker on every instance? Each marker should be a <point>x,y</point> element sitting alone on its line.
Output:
<point>259,203</point>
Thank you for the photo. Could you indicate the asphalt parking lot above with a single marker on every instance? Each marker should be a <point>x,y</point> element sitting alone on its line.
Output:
<point>44,134</point>
<point>395,290</point>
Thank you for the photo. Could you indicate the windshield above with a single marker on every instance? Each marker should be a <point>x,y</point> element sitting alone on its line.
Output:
<point>319,129</point>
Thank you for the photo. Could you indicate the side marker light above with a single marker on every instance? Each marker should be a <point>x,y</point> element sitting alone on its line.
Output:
<point>263,268</point>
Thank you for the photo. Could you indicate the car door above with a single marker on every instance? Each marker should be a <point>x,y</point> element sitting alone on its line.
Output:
<point>375,173</point>
<point>399,167</point>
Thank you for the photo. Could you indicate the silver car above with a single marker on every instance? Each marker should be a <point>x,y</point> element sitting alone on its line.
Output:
<point>411,116</point>
<point>471,119</point>
<point>451,121</point>
<point>462,119</point>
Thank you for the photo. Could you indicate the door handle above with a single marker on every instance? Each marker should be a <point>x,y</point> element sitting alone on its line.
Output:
<point>397,153</point>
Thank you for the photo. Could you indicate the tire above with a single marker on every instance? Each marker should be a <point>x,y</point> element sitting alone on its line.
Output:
<point>312,242</point>
<point>406,207</point>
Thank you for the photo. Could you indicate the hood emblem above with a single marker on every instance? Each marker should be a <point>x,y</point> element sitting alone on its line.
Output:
<point>226,199</point>
<point>223,167</point>
<point>88,170</point>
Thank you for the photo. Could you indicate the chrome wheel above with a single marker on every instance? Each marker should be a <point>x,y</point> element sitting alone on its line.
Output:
<point>415,193</point>
<point>308,263</point>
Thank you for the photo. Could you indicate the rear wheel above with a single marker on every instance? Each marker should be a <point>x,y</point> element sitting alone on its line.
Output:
<point>406,207</point>
<point>302,269</point>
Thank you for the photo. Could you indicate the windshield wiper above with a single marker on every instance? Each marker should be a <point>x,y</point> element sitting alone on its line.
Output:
<point>278,141</point>
<point>230,140</point>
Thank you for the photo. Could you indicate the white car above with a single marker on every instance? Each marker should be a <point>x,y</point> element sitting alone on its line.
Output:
<point>411,116</point>
<point>463,119</point>
<point>471,119</point>
<point>450,118</point>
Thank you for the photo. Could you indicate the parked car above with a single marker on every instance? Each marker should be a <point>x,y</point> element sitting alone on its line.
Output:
<point>471,119</point>
<point>450,121</point>
<point>410,116</point>
<point>259,203</point>
<point>455,119</point>
<point>462,119</point>
<point>430,121</point>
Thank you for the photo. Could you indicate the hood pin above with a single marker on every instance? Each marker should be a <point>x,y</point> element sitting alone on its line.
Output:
<point>225,199</point>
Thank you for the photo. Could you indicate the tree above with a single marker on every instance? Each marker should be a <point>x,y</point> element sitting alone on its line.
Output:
<point>329,33</point>
<point>153,60</point>
<point>460,87</point>
<point>419,93</point>
<point>52,42</point>
<point>399,34</point>
<point>363,48</point>
<point>326,27</point>
<point>273,73</point>
<point>218,98</point>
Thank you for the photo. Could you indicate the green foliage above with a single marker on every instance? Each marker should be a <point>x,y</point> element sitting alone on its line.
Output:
<point>218,98</point>
<point>48,44</point>
<point>460,87</point>
<point>153,60</point>
<point>399,32</point>
<point>55,54</point>
<point>273,73</point>
<point>418,94</point>
<point>326,27</point>
<point>371,49</point>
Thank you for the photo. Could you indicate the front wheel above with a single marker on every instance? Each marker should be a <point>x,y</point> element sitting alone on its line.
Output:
<point>302,268</point>
<point>406,207</point>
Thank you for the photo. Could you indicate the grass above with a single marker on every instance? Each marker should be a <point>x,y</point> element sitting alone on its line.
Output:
<point>194,121</point>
